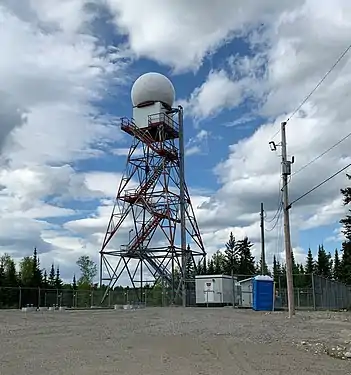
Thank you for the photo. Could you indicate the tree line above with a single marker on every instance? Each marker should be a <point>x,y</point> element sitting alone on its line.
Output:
<point>235,259</point>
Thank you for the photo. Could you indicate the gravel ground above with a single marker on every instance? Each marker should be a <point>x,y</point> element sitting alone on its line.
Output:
<point>173,341</point>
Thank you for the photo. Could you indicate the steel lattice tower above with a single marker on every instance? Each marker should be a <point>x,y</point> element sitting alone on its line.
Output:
<point>153,193</point>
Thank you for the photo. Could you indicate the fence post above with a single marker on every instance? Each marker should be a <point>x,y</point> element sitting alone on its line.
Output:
<point>20,298</point>
<point>233,282</point>
<point>298,297</point>
<point>39,297</point>
<point>313,293</point>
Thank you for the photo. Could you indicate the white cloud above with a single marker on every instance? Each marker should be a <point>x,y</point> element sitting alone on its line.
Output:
<point>182,33</point>
<point>198,144</point>
<point>217,93</point>
<point>54,72</point>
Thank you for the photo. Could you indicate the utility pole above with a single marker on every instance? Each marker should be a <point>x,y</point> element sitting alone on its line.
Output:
<point>286,171</point>
<point>182,204</point>
<point>263,255</point>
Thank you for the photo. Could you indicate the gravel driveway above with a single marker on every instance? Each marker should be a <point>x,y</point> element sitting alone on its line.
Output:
<point>172,341</point>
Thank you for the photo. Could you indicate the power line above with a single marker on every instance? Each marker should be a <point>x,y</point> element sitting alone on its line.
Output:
<point>320,82</point>
<point>317,86</point>
<point>278,215</point>
<point>319,185</point>
<point>322,154</point>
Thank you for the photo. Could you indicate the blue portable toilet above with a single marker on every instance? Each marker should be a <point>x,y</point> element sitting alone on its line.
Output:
<point>262,293</point>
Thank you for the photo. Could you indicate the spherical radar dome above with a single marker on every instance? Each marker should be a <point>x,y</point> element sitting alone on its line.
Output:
<point>153,87</point>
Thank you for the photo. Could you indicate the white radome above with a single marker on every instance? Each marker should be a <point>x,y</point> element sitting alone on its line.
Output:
<point>153,87</point>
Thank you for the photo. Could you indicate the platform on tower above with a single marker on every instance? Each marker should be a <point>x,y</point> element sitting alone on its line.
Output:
<point>161,127</point>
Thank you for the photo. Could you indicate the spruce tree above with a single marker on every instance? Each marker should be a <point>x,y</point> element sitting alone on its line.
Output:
<point>246,260</point>
<point>37,275</point>
<point>324,262</point>
<point>265,268</point>
<point>45,280</point>
<point>58,282</point>
<point>210,267</point>
<point>74,283</point>
<point>2,274</point>
<point>277,270</point>
<point>230,256</point>
<point>52,276</point>
<point>336,266</point>
<point>190,266</point>
<point>310,264</point>
<point>346,222</point>
<point>218,262</point>
<point>345,265</point>
<point>11,278</point>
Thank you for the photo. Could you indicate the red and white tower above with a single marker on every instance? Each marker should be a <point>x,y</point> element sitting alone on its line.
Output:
<point>163,235</point>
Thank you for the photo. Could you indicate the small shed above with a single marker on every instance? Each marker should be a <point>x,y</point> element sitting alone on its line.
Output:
<point>246,292</point>
<point>214,290</point>
<point>262,293</point>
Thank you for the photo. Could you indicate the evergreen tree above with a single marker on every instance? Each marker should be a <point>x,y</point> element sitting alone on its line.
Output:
<point>218,262</point>
<point>11,278</point>
<point>45,280</point>
<point>246,260</point>
<point>295,266</point>
<point>201,267</point>
<point>337,266</point>
<point>37,275</point>
<point>231,263</point>
<point>310,264</point>
<point>52,276</point>
<point>265,268</point>
<point>324,263</point>
<point>74,283</point>
<point>277,270</point>
<point>210,267</point>
<point>2,274</point>
<point>345,266</point>
<point>58,282</point>
<point>2,284</point>
<point>346,222</point>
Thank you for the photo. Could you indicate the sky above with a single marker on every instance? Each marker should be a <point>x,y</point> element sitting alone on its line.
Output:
<point>239,69</point>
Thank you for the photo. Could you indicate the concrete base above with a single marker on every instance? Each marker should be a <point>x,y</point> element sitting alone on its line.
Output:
<point>28,309</point>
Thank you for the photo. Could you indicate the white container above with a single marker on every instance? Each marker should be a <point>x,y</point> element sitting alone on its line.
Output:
<point>215,290</point>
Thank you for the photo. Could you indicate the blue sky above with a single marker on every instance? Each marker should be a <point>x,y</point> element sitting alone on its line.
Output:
<point>236,79</point>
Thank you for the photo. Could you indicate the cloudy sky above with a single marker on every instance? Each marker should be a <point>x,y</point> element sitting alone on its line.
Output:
<point>238,67</point>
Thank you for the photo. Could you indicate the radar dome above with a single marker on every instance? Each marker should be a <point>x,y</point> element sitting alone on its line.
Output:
<point>153,87</point>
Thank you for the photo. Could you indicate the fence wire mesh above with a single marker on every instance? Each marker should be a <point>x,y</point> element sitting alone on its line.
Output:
<point>311,292</point>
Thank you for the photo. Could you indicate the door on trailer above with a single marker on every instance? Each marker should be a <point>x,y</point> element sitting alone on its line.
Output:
<point>209,292</point>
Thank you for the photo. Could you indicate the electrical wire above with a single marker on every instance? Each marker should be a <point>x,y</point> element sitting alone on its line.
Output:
<point>279,212</point>
<point>320,82</point>
<point>279,243</point>
<point>317,86</point>
<point>321,155</point>
<point>319,185</point>
<point>279,204</point>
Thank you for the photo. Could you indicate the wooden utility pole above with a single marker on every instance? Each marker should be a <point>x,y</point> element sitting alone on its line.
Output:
<point>286,171</point>
<point>263,254</point>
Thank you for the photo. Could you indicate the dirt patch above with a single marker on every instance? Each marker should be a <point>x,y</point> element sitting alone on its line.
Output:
<point>172,341</point>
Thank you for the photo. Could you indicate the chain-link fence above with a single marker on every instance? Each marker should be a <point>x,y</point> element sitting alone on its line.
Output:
<point>310,291</point>
<point>18,297</point>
